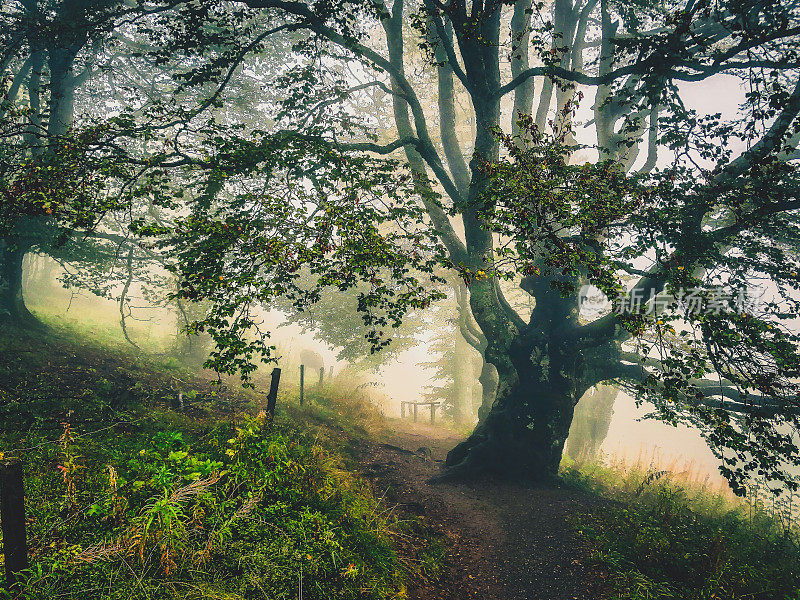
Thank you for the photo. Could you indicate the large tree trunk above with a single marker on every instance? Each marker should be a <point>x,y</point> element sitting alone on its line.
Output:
<point>523,434</point>
<point>12,300</point>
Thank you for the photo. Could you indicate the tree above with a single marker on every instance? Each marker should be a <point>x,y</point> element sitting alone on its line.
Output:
<point>80,98</point>
<point>458,364</point>
<point>591,422</point>
<point>334,319</point>
<point>53,177</point>
<point>46,196</point>
<point>533,218</point>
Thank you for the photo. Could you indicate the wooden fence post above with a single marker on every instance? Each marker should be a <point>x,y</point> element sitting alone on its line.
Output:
<point>272,397</point>
<point>321,376</point>
<point>12,519</point>
<point>302,382</point>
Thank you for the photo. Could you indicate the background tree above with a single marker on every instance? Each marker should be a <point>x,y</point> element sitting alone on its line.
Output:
<point>591,422</point>
<point>458,363</point>
<point>41,71</point>
<point>334,320</point>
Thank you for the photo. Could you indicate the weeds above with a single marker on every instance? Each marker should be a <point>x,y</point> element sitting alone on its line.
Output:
<point>239,512</point>
<point>134,500</point>
<point>670,535</point>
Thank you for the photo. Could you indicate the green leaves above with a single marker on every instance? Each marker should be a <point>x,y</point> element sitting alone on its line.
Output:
<point>67,180</point>
<point>278,204</point>
<point>555,215</point>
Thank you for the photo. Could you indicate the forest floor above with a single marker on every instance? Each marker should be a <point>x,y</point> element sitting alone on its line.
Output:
<point>503,540</point>
<point>487,540</point>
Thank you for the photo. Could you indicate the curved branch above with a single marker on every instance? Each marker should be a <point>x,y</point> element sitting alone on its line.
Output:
<point>447,112</point>
<point>444,35</point>
<point>771,141</point>
<point>469,328</point>
<point>648,66</point>
<point>381,148</point>
<point>723,394</point>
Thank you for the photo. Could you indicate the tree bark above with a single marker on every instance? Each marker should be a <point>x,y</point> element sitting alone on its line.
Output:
<point>521,37</point>
<point>489,383</point>
<point>523,435</point>
<point>12,299</point>
<point>62,89</point>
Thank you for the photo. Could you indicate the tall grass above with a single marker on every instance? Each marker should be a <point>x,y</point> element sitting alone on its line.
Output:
<point>668,531</point>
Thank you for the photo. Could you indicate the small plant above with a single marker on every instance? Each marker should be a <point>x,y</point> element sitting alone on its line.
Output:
<point>161,525</point>
<point>114,505</point>
<point>68,467</point>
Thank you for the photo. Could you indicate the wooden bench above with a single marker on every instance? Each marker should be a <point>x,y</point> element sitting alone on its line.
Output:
<point>408,403</point>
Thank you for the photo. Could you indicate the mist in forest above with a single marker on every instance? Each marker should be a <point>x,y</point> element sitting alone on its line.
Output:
<point>405,299</point>
<point>621,430</point>
<point>438,342</point>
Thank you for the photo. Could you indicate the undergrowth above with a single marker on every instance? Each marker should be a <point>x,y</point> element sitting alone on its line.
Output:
<point>663,537</point>
<point>230,512</point>
<point>127,498</point>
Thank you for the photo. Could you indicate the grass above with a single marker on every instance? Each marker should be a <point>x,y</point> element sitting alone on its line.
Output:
<point>668,534</point>
<point>128,498</point>
<point>223,511</point>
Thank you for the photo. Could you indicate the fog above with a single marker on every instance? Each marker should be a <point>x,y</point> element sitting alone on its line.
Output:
<point>631,437</point>
<point>155,324</point>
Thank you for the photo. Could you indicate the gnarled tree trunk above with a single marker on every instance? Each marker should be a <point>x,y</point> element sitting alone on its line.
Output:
<point>523,434</point>
<point>534,371</point>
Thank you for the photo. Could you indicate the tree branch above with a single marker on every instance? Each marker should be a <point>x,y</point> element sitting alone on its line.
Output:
<point>447,112</point>
<point>720,395</point>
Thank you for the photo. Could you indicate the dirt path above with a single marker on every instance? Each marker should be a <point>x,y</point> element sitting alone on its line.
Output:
<point>504,541</point>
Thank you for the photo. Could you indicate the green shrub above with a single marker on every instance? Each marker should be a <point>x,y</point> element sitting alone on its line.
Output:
<point>221,512</point>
